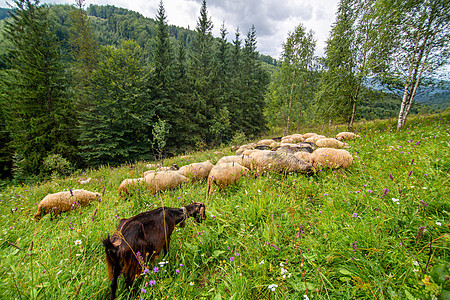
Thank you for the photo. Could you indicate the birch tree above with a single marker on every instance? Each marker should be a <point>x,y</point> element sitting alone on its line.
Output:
<point>422,33</point>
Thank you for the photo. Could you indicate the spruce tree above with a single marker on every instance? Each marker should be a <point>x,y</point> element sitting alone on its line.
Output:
<point>117,126</point>
<point>201,74</point>
<point>39,115</point>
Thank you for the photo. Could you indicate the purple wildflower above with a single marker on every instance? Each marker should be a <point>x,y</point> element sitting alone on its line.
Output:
<point>143,291</point>
<point>386,191</point>
<point>151,283</point>
<point>409,174</point>
<point>370,191</point>
<point>355,215</point>
<point>231,258</point>
<point>392,178</point>
<point>177,271</point>
<point>236,254</point>
<point>155,269</point>
<point>354,246</point>
<point>146,270</point>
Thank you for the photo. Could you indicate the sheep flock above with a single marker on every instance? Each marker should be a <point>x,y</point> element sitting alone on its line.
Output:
<point>298,153</point>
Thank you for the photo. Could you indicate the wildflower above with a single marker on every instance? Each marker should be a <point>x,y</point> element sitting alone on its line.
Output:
<point>155,269</point>
<point>355,215</point>
<point>178,197</point>
<point>438,223</point>
<point>385,192</point>
<point>377,208</point>
<point>306,297</point>
<point>177,271</point>
<point>325,194</point>
<point>409,174</point>
<point>397,201</point>
<point>370,191</point>
<point>78,242</point>
<point>163,262</point>
<point>423,203</point>
<point>151,283</point>
<point>416,263</point>
<point>262,262</point>
<point>181,265</point>
<point>283,271</point>
<point>146,270</point>
<point>320,211</point>
<point>79,230</point>
<point>143,291</point>
<point>236,254</point>
<point>358,192</point>
<point>191,283</point>
<point>272,287</point>
<point>354,246</point>
<point>392,178</point>
<point>231,258</point>
<point>140,258</point>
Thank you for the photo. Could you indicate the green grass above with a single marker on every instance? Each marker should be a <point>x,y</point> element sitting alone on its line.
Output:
<point>334,235</point>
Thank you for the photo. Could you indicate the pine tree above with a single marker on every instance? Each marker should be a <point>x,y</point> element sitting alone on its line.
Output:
<point>40,116</point>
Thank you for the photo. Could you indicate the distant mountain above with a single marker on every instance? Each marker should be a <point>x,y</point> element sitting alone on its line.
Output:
<point>433,92</point>
<point>4,12</point>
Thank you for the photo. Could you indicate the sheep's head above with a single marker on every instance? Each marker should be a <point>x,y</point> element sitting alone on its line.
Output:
<point>197,210</point>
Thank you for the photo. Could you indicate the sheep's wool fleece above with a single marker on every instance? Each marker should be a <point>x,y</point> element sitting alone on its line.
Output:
<point>128,183</point>
<point>308,135</point>
<point>225,174</point>
<point>314,138</point>
<point>196,171</point>
<point>63,201</point>
<point>243,160</point>
<point>164,180</point>
<point>330,143</point>
<point>265,142</point>
<point>331,158</point>
<point>305,156</point>
<point>343,136</point>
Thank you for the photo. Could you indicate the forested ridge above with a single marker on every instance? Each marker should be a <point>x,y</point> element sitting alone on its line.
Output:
<point>89,86</point>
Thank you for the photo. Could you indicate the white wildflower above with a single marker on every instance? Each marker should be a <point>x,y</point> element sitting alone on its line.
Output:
<point>273,287</point>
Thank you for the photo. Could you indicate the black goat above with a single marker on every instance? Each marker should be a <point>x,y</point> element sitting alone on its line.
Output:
<point>142,237</point>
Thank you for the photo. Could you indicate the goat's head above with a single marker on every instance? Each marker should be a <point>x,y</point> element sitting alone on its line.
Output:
<point>197,210</point>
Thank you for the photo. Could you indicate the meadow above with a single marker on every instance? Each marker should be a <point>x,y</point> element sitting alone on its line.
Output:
<point>377,230</point>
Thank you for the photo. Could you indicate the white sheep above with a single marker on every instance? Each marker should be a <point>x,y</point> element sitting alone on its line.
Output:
<point>265,142</point>
<point>305,156</point>
<point>243,160</point>
<point>281,162</point>
<point>331,158</point>
<point>165,180</point>
<point>196,171</point>
<point>224,174</point>
<point>343,136</point>
<point>308,135</point>
<point>314,138</point>
<point>127,184</point>
<point>64,201</point>
<point>331,143</point>
<point>245,147</point>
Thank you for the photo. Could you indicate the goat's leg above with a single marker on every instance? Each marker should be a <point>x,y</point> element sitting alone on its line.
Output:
<point>117,271</point>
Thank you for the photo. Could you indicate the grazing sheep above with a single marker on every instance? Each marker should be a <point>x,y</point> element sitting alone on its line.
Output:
<point>265,142</point>
<point>142,238</point>
<point>281,162</point>
<point>173,167</point>
<point>314,138</point>
<point>331,143</point>
<point>308,135</point>
<point>331,158</point>
<point>196,171</point>
<point>343,136</point>
<point>234,148</point>
<point>297,137</point>
<point>243,160</point>
<point>224,174</point>
<point>126,184</point>
<point>165,180</point>
<point>64,201</point>
<point>305,156</point>
<point>287,140</point>
<point>244,147</point>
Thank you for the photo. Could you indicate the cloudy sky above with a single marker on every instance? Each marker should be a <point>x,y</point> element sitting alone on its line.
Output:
<point>273,19</point>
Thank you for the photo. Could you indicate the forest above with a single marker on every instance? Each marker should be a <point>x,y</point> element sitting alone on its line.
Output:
<point>102,85</point>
